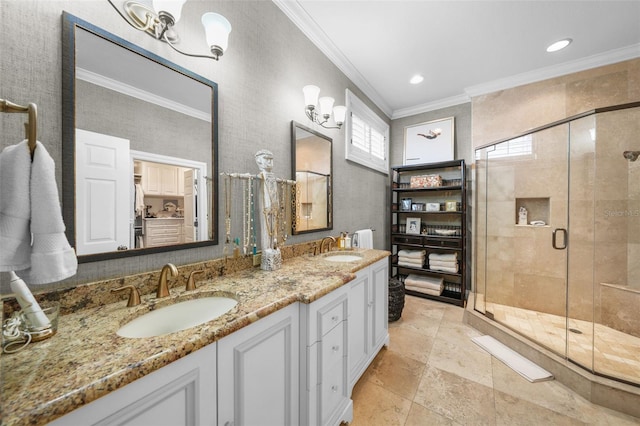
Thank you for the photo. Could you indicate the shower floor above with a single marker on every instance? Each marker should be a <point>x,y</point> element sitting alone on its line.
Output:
<point>614,353</point>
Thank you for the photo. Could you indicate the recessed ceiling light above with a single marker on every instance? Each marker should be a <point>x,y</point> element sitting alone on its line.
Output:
<point>416,79</point>
<point>558,45</point>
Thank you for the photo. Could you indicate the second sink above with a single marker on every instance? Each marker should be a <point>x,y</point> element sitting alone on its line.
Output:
<point>176,317</point>
<point>343,257</point>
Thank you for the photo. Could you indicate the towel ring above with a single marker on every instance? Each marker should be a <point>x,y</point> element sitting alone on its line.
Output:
<point>31,126</point>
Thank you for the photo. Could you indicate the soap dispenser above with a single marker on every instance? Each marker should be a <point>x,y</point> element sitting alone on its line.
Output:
<point>347,241</point>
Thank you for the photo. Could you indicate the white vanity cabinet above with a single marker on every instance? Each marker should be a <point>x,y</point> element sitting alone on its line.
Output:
<point>182,393</point>
<point>258,372</point>
<point>324,398</point>
<point>367,318</point>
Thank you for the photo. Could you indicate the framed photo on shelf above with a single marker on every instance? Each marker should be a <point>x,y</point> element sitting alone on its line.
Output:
<point>451,206</point>
<point>406,204</point>
<point>413,225</point>
<point>429,142</point>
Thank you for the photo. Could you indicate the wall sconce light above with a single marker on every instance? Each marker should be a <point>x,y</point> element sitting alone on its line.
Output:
<point>326,105</point>
<point>159,20</point>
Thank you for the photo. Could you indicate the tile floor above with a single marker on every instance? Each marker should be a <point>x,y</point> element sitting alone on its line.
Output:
<point>612,352</point>
<point>433,374</point>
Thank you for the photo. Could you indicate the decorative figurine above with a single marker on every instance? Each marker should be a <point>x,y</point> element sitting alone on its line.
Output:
<point>269,220</point>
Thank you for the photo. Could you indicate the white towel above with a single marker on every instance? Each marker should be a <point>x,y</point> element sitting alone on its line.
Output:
<point>365,238</point>
<point>445,263</point>
<point>432,292</point>
<point>417,262</point>
<point>139,200</point>
<point>15,207</point>
<point>409,264</point>
<point>418,254</point>
<point>443,256</point>
<point>414,278</point>
<point>444,269</point>
<point>51,258</point>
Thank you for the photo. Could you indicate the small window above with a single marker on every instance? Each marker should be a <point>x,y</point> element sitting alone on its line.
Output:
<point>367,136</point>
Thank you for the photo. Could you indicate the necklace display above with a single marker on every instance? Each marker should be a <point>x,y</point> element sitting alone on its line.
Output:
<point>274,196</point>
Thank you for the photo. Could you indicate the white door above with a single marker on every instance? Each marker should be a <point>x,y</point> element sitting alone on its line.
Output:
<point>189,206</point>
<point>103,191</point>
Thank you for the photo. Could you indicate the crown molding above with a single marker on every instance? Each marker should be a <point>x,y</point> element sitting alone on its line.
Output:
<point>594,61</point>
<point>431,106</point>
<point>296,13</point>
<point>120,87</point>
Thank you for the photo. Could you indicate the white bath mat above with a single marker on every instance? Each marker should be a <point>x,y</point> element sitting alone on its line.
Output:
<point>521,365</point>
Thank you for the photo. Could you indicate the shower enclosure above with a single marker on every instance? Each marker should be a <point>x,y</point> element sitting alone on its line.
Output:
<point>568,275</point>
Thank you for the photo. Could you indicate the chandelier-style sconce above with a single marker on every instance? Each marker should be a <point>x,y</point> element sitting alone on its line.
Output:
<point>326,106</point>
<point>159,20</point>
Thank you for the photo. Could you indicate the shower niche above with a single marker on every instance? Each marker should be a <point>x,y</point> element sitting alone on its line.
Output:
<point>537,211</point>
<point>571,285</point>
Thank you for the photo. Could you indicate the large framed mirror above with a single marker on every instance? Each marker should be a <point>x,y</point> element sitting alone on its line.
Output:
<point>139,148</point>
<point>312,168</point>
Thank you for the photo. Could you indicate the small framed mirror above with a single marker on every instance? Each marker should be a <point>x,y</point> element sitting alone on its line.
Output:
<point>312,169</point>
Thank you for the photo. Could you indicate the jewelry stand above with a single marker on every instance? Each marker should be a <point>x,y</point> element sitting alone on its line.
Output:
<point>274,203</point>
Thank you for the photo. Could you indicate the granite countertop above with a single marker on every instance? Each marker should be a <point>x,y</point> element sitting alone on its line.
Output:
<point>86,359</point>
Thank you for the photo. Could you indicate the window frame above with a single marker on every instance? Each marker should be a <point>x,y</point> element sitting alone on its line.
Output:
<point>372,121</point>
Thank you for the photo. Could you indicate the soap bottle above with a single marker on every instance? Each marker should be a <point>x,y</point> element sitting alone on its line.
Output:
<point>341,241</point>
<point>347,241</point>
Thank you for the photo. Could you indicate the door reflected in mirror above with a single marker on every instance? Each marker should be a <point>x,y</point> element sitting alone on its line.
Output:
<point>139,145</point>
<point>312,169</point>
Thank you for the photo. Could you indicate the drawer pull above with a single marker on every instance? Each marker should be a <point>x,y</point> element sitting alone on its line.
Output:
<point>335,348</point>
<point>334,389</point>
<point>335,318</point>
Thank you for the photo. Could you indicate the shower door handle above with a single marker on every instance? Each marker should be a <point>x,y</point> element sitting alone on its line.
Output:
<point>554,239</point>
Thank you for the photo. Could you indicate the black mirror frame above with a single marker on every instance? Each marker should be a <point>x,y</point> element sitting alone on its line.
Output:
<point>69,25</point>
<point>294,126</point>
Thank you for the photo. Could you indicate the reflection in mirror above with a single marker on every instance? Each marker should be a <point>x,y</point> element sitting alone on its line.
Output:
<point>139,145</point>
<point>312,170</point>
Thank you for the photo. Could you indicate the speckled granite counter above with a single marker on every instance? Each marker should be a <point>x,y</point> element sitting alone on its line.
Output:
<point>86,359</point>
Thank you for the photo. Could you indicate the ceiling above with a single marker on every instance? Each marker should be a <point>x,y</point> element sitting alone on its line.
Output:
<point>462,48</point>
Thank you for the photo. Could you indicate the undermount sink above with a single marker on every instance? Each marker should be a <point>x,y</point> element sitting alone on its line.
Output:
<point>176,317</point>
<point>341,257</point>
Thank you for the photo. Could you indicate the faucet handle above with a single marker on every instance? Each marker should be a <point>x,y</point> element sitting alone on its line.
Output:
<point>134,295</point>
<point>191,282</point>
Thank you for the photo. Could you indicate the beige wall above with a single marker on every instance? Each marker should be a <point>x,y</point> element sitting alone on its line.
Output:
<point>510,112</point>
<point>260,80</point>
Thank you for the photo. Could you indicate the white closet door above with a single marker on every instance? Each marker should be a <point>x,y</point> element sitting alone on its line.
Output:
<point>103,191</point>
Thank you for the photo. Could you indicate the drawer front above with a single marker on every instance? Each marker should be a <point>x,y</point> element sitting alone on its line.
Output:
<point>331,318</point>
<point>332,391</point>
<point>163,231</point>
<point>333,350</point>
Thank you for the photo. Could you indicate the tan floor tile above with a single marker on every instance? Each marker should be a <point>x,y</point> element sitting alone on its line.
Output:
<point>452,396</point>
<point>376,406</point>
<point>512,411</point>
<point>396,373</point>
<point>411,343</point>
<point>420,416</point>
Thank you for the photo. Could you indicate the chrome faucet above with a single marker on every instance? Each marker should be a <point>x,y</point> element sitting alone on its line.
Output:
<point>163,288</point>
<point>330,239</point>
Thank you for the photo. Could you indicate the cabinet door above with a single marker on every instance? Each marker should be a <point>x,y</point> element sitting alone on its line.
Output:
<point>258,372</point>
<point>169,180</point>
<point>151,182</point>
<point>379,304</point>
<point>182,393</point>
<point>358,325</point>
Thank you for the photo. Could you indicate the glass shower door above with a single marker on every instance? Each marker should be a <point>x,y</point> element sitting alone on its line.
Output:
<point>526,208</point>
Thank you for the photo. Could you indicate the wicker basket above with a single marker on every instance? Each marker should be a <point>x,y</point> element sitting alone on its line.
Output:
<point>396,299</point>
